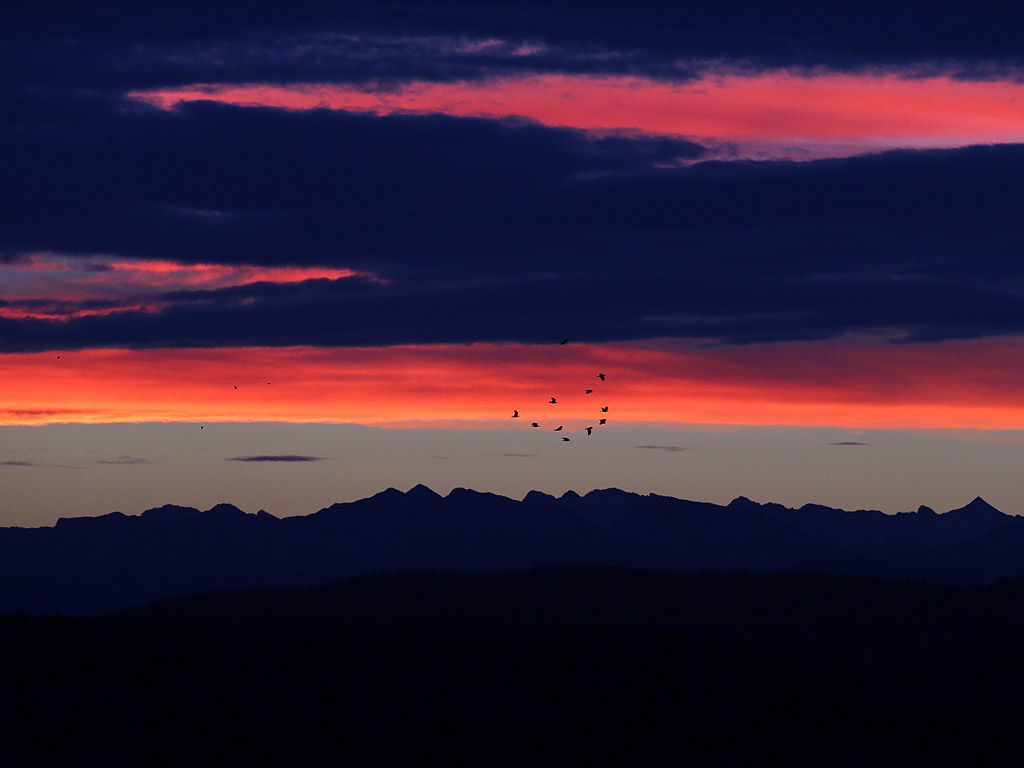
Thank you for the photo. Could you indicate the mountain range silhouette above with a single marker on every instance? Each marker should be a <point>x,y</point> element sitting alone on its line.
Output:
<point>109,563</point>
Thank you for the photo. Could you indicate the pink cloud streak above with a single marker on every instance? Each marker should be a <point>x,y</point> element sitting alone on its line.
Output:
<point>774,114</point>
<point>52,286</point>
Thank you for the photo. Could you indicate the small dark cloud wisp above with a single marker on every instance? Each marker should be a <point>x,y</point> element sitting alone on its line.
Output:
<point>666,448</point>
<point>849,442</point>
<point>16,463</point>
<point>518,455</point>
<point>124,460</point>
<point>287,458</point>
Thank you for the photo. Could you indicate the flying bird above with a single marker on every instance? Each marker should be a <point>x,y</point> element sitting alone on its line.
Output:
<point>236,386</point>
<point>600,376</point>
<point>515,414</point>
<point>589,430</point>
<point>605,409</point>
<point>558,428</point>
<point>58,357</point>
<point>535,424</point>
<point>552,400</point>
<point>602,422</point>
<point>589,391</point>
<point>565,439</point>
<point>203,427</point>
<point>564,341</point>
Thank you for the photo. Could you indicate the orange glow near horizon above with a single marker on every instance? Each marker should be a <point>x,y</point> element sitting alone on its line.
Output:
<point>824,114</point>
<point>969,384</point>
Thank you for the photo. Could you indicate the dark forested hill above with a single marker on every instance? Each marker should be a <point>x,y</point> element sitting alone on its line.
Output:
<point>116,561</point>
<point>544,667</point>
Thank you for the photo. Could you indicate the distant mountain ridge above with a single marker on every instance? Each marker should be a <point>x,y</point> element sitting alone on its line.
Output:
<point>116,561</point>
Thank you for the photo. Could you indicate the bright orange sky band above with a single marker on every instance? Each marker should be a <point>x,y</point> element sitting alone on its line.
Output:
<point>964,384</point>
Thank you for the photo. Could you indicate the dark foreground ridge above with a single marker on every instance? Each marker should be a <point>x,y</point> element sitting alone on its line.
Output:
<point>544,667</point>
<point>113,562</point>
<point>854,618</point>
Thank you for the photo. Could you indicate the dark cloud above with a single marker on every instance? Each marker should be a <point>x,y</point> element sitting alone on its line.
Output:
<point>124,460</point>
<point>120,46</point>
<point>309,187</point>
<point>523,228</point>
<point>666,448</point>
<point>519,455</point>
<point>849,442</point>
<point>529,231</point>
<point>288,458</point>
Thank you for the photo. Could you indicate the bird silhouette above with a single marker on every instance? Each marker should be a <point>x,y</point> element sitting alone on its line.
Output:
<point>602,422</point>
<point>600,376</point>
<point>236,386</point>
<point>589,430</point>
<point>535,424</point>
<point>558,428</point>
<point>58,357</point>
<point>566,439</point>
<point>605,409</point>
<point>588,391</point>
<point>552,400</point>
<point>515,414</point>
<point>564,341</point>
<point>203,427</point>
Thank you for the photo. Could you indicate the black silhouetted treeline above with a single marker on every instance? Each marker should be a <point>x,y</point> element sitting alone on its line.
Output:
<point>546,667</point>
<point>116,561</point>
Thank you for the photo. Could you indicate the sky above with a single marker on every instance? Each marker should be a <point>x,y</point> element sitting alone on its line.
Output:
<point>288,255</point>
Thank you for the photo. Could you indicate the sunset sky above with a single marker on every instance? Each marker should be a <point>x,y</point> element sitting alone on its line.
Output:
<point>283,255</point>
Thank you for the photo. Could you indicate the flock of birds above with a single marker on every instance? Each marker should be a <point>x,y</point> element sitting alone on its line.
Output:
<point>554,401</point>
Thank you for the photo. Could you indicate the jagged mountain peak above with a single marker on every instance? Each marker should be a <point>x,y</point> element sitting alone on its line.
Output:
<point>460,492</point>
<point>223,511</point>
<point>539,497</point>
<point>422,492</point>
<point>609,493</point>
<point>977,506</point>
<point>744,503</point>
<point>170,513</point>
